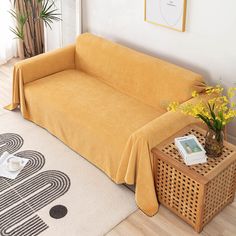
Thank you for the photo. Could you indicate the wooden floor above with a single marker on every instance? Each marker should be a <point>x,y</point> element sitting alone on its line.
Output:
<point>6,84</point>
<point>164,223</point>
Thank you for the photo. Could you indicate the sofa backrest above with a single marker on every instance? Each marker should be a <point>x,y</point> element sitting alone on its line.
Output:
<point>150,80</point>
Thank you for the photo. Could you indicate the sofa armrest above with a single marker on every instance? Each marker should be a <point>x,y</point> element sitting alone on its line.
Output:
<point>136,164</point>
<point>38,67</point>
<point>169,123</point>
<point>46,64</point>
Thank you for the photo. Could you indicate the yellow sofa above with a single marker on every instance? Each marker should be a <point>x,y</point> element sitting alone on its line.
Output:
<point>105,101</point>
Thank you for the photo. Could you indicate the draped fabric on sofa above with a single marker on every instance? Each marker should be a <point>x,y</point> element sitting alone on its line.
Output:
<point>104,101</point>
<point>33,31</point>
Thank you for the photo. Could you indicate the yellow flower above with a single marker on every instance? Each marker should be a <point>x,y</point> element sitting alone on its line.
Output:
<point>231,92</point>
<point>217,90</point>
<point>230,114</point>
<point>195,94</point>
<point>225,99</point>
<point>216,111</point>
<point>173,106</point>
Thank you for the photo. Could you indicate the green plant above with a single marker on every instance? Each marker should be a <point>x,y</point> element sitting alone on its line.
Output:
<point>30,20</point>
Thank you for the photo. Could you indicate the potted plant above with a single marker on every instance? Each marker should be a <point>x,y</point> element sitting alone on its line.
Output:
<point>216,113</point>
<point>31,16</point>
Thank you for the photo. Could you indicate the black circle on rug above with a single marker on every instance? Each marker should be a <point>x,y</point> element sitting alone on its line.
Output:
<point>58,212</point>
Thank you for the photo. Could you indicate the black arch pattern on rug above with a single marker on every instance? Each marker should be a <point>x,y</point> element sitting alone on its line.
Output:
<point>18,216</point>
<point>10,142</point>
<point>47,186</point>
<point>35,163</point>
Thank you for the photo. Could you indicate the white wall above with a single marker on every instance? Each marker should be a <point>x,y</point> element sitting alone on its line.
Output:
<point>64,32</point>
<point>208,46</point>
<point>53,35</point>
<point>68,11</point>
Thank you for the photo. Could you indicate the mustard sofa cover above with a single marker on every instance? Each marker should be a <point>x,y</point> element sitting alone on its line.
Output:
<point>105,102</point>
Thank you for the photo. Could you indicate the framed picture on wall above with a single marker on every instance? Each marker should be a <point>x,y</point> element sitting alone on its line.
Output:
<point>167,13</point>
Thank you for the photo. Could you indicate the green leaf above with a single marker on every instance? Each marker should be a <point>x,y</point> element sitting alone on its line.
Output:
<point>18,32</point>
<point>220,113</point>
<point>21,20</point>
<point>218,125</point>
<point>206,120</point>
<point>48,14</point>
<point>211,111</point>
<point>19,17</point>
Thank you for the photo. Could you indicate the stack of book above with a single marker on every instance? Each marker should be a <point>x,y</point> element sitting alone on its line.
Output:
<point>191,150</point>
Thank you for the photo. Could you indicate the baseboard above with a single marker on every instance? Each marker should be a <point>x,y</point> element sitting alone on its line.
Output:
<point>231,139</point>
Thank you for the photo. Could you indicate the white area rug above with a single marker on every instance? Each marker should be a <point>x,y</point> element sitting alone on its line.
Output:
<point>95,204</point>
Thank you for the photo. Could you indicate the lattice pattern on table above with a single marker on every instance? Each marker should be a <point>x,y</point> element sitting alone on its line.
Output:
<point>202,169</point>
<point>178,191</point>
<point>219,191</point>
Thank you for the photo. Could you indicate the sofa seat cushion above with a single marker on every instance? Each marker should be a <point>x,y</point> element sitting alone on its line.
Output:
<point>89,116</point>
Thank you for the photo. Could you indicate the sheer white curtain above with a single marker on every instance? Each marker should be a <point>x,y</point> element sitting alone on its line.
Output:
<point>64,32</point>
<point>8,45</point>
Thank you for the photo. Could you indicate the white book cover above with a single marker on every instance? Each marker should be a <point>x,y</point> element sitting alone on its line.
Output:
<point>190,149</point>
<point>4,170</point>
<point>195,162</point>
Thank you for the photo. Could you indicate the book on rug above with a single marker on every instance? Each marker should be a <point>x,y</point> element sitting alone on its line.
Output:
<point>11,166</point>
<point>191,150</point>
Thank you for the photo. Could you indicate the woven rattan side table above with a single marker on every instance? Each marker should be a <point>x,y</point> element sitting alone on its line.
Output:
<point>195,193</point>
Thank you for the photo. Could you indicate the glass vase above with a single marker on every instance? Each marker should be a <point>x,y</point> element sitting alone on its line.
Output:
<point>214,143</point>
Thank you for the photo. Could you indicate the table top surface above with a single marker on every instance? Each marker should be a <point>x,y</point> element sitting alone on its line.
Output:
<point>168,151</point>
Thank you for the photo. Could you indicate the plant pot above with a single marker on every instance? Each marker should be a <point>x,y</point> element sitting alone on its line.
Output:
<point>214,143</point>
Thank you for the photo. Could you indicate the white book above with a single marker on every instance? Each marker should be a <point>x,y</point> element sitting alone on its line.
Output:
<point>195,162</point>
<point>191,150</point>
<point>4,170</point>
